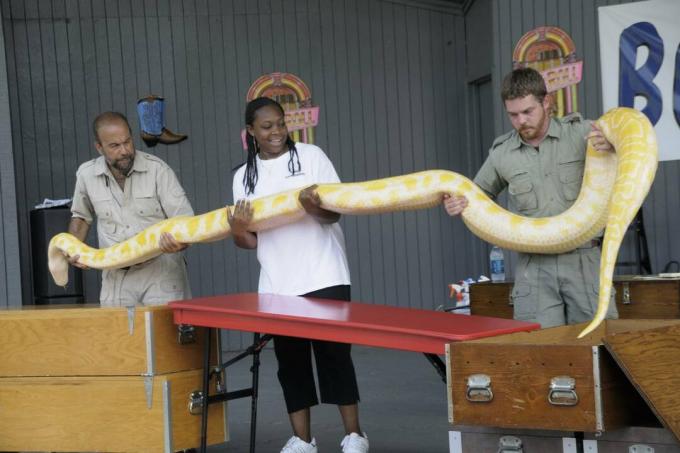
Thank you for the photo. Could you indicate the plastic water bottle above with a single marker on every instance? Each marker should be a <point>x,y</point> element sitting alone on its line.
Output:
<point>497,264</point>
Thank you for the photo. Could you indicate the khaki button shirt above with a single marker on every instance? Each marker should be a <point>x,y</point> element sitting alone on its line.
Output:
<point>152,194</point>
<point>541,182</point>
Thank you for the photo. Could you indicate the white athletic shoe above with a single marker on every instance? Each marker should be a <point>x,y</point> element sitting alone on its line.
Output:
<point>297,445</point>
<point>354,443</point>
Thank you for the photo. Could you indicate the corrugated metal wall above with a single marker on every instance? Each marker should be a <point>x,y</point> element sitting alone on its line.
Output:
<point>513,18</point>
<point>10,273</point>
<point>387,76</point>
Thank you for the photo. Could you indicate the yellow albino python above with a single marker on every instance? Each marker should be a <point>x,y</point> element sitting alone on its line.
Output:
<point>614,186</point>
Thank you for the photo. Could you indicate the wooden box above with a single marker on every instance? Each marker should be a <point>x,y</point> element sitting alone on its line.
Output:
<point>94,341</point>
<point>476,439</point>
<point>546,379</point>
<point>637,297</point>
<point>100,379</point>
<point>636,440</point>
<point>104,414</point>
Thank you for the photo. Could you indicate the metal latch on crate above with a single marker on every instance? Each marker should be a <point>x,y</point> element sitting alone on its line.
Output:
<point>479,388</point>
<point>195,402</point>
<point>510,444</point>
<point>562,391</point>
<point>640,448</point>
<point>186,334</point>
<point>625,296</point>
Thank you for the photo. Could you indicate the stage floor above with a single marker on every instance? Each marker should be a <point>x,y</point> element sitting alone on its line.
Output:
<point>402,409</point>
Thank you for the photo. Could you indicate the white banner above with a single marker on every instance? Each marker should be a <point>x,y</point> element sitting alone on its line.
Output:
<point>640,58</point>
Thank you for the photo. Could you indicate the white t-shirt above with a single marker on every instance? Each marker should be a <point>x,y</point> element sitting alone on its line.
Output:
<point>304,256</point>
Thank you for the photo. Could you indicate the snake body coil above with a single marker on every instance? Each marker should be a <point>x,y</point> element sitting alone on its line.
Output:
<point>613,189</point>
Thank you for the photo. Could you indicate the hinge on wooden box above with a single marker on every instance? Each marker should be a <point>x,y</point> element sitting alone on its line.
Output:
<point>131,319</point>
<point>148,389</point>
<point>510,444</point>
<point>219,380</point>
<point>562,391</point>
<point>640,448</point>
<point>186,334</point>
<point>479,388</point>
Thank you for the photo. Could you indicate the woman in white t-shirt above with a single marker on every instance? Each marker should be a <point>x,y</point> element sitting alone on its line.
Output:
<point>306,258</point>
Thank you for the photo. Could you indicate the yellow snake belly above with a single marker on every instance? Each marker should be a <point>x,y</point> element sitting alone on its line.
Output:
<point>613,189</point>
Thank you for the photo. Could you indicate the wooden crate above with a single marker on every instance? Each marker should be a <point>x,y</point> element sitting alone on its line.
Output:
<point>637,440</point>
<point>637,297</point>
<point>93,341</point>
<point>100,379</point>
<point>520,368</point>
<point>476,439</point>
<point>104,414</point>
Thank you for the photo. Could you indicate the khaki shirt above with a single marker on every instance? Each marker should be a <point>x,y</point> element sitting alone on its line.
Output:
<point>152,194</point>
<point>541,182</point>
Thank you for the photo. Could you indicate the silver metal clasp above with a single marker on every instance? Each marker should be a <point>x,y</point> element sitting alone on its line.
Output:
<point>625,297</point>
<point>186,334</point>
<point>196,402</point>
<point>562,391</point>
<point>510,444</point>
<point>479,388</point>
<point>640,448</point>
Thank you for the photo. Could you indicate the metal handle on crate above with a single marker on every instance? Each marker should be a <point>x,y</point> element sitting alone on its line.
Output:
<point>508,444</point>
<point>562,391</point>
<point>479,388</point>
<point>640,448</point>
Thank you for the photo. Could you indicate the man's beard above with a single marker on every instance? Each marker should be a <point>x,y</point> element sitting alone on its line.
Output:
<point>528,133</point>
<point>124,165</point>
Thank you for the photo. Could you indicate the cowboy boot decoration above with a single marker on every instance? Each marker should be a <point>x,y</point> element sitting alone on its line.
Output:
<point>152,120</point>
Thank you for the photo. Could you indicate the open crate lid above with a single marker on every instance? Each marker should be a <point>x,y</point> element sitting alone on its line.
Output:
<point>651,360</point>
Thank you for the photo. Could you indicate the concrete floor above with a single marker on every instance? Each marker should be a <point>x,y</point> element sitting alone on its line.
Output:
<point>403,406</point>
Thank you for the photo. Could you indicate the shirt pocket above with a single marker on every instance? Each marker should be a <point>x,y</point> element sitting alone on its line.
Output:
<point>103,204</point>
<point>146,203</point>
<point>522,192</point>
<point>571,175</point>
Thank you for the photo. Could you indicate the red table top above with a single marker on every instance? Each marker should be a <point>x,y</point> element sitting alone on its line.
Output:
<point>355,322</point>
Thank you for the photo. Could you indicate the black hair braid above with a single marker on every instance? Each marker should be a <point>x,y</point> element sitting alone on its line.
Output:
<point>250,175</point>
<point>292,151</point>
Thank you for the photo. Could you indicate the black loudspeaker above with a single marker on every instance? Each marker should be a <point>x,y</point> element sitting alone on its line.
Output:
<point>45,223</point>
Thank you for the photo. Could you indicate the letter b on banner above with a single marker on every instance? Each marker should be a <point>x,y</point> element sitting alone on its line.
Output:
<point>640,82</point>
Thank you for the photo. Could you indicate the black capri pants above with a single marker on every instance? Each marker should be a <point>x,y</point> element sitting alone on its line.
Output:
<point>334,366</point>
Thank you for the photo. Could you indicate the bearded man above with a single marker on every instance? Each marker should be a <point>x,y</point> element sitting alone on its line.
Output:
<point>127,191</point>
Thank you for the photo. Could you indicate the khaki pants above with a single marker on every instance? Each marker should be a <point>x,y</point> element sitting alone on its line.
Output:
<point>155,282</point>
<point>555,290</point>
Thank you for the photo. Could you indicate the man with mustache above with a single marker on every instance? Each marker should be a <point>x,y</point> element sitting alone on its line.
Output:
<point>128,191</point>
<point>541,162</point>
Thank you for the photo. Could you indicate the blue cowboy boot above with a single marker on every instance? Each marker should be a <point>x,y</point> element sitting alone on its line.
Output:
<point>151,120</point>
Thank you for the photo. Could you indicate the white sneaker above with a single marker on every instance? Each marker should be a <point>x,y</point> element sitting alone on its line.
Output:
<point>354,443</point>
<point>297,445</point>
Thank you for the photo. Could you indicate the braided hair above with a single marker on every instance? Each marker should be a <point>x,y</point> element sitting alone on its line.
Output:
<point>250,175</point>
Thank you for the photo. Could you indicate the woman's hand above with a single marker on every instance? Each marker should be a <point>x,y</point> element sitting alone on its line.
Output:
<point>239,220</point>
<point>311,202</point>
